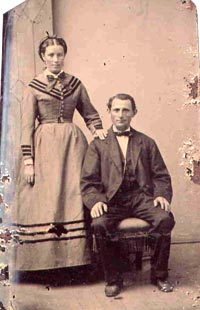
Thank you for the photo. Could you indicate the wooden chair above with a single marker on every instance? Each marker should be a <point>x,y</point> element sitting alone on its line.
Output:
<point>132,233</point>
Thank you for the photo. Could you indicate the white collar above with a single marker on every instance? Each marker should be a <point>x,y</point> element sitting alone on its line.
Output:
<point>47,72</point>
<point>116,130</point>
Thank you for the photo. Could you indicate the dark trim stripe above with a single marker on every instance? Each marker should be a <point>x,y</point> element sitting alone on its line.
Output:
<point>52,239</point>
<point>69,85</point>
<point>99,126</point>
<point>38,81</point>
<point>74,82</point>
<point>55,92</point>
<point>39,87</point>
<point>67,94</point>
<point>55,89</point>
<point>72,88</point>
<point>70,81</point>
<point>22,233</point>
<point>46,224</point>
<point>45,92</point>
<point>26,154</point>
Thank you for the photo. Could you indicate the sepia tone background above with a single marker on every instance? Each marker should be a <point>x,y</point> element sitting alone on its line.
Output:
<point>146,48</point>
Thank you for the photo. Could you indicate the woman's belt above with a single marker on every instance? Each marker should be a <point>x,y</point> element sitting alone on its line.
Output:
<point>55,120</point>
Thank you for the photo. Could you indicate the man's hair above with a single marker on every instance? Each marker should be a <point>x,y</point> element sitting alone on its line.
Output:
<point>122,97</point>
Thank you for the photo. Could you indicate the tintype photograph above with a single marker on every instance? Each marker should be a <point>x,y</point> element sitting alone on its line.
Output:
<point>100,155</point>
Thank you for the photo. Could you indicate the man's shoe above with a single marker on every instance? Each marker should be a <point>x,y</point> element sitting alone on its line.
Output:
<point>112,290</point>
<point>163,285</point>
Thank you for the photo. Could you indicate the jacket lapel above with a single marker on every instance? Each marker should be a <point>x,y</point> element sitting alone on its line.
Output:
<point>135,146</point>
<point>113,149</point>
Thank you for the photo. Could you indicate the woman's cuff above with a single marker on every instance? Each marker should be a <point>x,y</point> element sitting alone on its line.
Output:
<point>92,128</point>
<point>28,161</point>
<point>26,150</point>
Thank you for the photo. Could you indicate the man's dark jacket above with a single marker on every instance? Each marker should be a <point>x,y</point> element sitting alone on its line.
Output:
<point>102,171</point>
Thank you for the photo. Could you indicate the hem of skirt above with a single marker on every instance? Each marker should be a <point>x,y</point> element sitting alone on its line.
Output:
<point>53,267</point>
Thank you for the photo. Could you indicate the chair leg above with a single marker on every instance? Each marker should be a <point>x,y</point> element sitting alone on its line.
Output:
<point>138,260</point>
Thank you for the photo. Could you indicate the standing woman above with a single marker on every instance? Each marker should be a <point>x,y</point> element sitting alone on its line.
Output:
<point>49,211</point>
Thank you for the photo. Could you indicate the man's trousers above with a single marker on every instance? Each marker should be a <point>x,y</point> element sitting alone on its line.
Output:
<point>137,204</point>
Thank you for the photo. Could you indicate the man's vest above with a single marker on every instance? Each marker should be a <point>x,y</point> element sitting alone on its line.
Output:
<point>129,181</point>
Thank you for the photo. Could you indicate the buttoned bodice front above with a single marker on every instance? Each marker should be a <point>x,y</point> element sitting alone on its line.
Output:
<point>55,105</point>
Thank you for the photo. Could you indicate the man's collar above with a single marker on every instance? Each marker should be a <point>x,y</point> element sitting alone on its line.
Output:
<point>116,130</point>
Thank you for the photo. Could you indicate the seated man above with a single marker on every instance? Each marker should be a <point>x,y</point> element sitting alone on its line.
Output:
<point>125,176</point>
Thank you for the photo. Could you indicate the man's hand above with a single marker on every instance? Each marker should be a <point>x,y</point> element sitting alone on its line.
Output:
<point>163,203</point>
<point>100,133</point>
<point>98,209</point>
<point>29,174</point>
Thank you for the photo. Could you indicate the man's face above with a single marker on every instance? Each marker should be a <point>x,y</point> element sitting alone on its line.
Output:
<point>121,113</point>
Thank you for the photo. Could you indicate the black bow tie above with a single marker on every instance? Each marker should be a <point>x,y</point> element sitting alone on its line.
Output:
<point>52,78</point>
<point>122,133</point>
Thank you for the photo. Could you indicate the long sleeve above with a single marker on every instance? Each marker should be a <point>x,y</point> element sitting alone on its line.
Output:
<point>160,175</point>
<point>87,110</point>
<point>91,185</point>
<point>28,117</point>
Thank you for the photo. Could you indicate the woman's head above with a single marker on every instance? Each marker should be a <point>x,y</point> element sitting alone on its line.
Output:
<point>52,51</point>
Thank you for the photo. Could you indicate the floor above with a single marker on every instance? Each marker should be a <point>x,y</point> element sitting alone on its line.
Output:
<point>71,291</point>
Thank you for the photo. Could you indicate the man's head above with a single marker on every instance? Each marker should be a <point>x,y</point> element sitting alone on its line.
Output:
<point>122,108</point>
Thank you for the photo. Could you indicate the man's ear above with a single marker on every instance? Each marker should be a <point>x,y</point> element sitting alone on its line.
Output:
<point>135,112</point>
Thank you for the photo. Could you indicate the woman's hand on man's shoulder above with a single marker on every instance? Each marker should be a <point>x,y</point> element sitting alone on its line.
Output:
<point>100,133</point>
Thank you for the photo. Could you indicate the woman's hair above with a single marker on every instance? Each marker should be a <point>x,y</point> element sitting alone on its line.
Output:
<point>123,97</point>
<point>51,40</point>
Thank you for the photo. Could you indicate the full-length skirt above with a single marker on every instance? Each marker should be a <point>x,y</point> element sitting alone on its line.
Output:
<point>48,217</point>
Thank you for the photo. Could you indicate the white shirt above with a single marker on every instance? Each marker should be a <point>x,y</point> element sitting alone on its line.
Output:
<point>123,141</point>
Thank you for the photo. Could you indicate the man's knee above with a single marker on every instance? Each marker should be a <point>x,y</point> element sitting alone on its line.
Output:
<point>99,225</point>
<point>165,222</point>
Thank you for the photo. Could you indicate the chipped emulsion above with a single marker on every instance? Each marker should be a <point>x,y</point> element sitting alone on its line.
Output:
<point>193,87</point>
<point>190,149</point>
<point>188,4</point>
<point>190,158</point>
<point>5,234</point>
<point>193,83</point>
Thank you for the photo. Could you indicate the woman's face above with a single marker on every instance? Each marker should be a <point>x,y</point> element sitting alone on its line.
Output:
<point>54,58</point>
